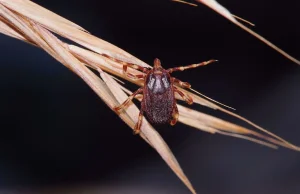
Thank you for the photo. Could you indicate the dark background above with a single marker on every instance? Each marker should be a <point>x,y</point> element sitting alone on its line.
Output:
<point>58,136</point>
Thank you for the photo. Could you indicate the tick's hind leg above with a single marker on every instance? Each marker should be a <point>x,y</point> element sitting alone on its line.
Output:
<point>182,68</point>
<point>129,99</point>
<point>186,97</point>
<point>137,127</point>
<point>175,115</point>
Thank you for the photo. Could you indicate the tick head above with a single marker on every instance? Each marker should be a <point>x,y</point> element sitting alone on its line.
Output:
<point>157,69</point>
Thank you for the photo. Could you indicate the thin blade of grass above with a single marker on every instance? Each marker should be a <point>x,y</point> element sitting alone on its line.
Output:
<point>68,31</point>
<point>6,29</point>
<point>225,13</point>
<point>217,102</point>
<point>29,8</point>
<point>214,106</point>
<point>248,138</point>
<point>184,2</point>
<point>222,125</point>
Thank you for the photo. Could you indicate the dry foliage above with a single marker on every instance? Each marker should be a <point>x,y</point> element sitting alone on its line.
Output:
<point>29,22</point>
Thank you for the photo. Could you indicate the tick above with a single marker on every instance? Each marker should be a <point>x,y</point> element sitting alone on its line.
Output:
<point>158,102</point>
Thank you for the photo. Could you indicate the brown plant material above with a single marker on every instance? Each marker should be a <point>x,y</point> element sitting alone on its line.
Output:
<point>29,22</point>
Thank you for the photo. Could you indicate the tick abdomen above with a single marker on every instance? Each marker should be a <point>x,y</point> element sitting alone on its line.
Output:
<point>159,108</point>
<point>158,101</point>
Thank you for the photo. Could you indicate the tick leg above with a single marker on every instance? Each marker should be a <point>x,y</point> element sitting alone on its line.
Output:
<point>186,97</point>
<point>129,99</point>
<point>126,64</point>
<point>137,127</point>
<point>130,75</point>
<point>175,115</point>
<point>182,84</point>
<point>182,68</point>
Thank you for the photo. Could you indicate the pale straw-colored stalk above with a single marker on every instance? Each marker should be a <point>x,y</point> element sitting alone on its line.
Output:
<point>29,22</point>
<point>214,5</point>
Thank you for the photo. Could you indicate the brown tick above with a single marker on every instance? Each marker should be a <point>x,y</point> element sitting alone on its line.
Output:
<point>158,91</point>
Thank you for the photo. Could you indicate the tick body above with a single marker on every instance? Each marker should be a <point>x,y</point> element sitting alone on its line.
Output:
<point>158,102</point>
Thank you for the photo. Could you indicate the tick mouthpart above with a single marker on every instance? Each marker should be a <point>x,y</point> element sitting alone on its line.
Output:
<point>157,63</point>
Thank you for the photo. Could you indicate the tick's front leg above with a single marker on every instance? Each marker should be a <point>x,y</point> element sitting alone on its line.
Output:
<point>137,67</point>
<point>129,99</point>
<point>126,65</point>
<point>182,68</point>
<point>130,75</point>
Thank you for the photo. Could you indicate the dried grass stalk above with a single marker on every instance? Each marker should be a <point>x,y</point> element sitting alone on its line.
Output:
<point>214,5</point>
<point>29,22</point>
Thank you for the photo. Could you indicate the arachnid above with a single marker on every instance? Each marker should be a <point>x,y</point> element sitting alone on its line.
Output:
<point>158,102</point>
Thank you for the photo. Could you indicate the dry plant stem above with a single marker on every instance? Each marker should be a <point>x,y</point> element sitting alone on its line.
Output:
<point>220,125</point>
<point>224,12</point>
<point>235,16</point>
<point>184,2</point>
<point>191,122</point>
<point>270,44</point>
<point>68,29</point>
<point>243,20</point>
<point>31,23</point>
<point>208,98</point>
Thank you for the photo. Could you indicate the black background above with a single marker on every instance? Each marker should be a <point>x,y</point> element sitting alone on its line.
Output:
<point>58,136</point>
